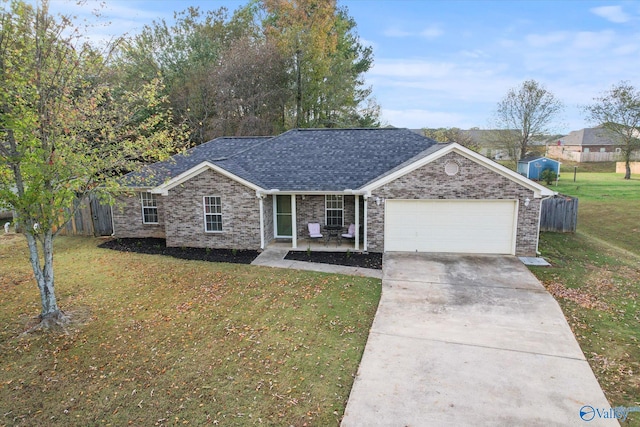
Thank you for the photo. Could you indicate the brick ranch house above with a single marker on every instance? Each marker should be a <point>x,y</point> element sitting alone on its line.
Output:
<point>403,192</point>
<point>588,145</point>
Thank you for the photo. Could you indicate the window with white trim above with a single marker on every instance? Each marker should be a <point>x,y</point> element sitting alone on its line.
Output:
<point>334,208</point>
<point>212,214</point>
<point>149,208</point>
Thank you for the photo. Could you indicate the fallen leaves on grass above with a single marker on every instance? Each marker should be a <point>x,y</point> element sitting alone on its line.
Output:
<point>581,297</point>
<point>166,342</point>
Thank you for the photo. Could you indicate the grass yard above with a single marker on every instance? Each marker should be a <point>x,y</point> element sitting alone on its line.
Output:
<point>596,279</point>
<point>567,167</point>
<point>609,207</point>
<point>162,341</point>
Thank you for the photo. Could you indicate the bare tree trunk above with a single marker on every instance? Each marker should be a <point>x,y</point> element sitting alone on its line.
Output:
<point>50,313</point>
<point>298,88</point>
<point>627,167</point>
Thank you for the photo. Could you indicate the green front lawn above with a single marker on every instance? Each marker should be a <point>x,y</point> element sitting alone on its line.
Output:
<point>162,341</point>
<point>595,276</point>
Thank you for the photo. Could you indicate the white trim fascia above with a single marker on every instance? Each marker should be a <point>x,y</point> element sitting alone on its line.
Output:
<point>313,193</point>
<point>539,190</point>
<point>163,189</point>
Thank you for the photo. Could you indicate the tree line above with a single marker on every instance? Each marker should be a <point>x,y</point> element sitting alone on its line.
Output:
<point>269,66</point>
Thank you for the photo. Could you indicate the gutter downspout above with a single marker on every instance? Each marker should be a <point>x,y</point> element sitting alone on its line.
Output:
<point>357,222</point>
<point>365,242</point>
<point>294,225</point>
<point>261,203</point>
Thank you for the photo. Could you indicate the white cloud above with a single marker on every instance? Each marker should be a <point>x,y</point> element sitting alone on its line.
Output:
<point>506,43</point>
<point>626,49</point>
<point>611,13</point>
<point>411,68</point>
<point>476,53</point>
<point>396,32</point>
<point>593,40</point>
<point>432,32</point>
<point>106,20</point>
<point>418,118</point>
<point>368,43</point>
<point>544,40</point>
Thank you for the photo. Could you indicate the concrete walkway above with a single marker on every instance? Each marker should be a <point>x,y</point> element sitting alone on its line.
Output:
<point>470,341</point>
<point>274,257</point>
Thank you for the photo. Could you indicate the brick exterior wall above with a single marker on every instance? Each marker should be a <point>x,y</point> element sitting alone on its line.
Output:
<point>184,213</point>
<point>127,217</point>
<point>181,216</point>
<point>312,209</point>
<point>472,182</point>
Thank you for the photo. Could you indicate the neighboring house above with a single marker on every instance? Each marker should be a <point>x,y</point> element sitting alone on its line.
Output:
<point>533,166</point>
<point>404,192</point>
<point>490,142</point>
<point>586,145</point>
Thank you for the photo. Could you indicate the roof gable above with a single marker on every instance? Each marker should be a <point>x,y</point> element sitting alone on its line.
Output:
<point>214,151</point>
<point>539,190</point>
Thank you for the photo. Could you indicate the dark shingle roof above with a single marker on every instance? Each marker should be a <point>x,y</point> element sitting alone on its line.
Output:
<point>304,159</point>
<point>214,151</point>
<point>590,136</point>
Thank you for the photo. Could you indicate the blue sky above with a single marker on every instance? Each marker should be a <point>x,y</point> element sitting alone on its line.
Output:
<point>448,63</point>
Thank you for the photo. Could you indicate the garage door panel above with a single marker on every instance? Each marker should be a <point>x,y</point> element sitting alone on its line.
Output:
<point>465,226</point>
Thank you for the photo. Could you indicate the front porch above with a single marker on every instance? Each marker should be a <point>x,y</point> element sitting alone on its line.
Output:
<point>316,245</point>
<point>286,219</point>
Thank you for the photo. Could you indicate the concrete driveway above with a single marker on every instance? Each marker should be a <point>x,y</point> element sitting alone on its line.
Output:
<point>470,340</point>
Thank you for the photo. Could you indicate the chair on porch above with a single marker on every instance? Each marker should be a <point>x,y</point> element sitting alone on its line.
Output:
<point>351,232</point>
<point>314,230</point>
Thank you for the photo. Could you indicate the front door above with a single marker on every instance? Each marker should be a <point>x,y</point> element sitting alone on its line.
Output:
<point>283,216</point>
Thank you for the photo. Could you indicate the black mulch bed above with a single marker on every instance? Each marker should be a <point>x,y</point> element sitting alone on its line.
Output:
<point>350,259</point>
<point>159,247</point>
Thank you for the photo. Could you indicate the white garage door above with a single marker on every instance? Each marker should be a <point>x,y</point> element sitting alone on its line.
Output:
<point>462,226</point>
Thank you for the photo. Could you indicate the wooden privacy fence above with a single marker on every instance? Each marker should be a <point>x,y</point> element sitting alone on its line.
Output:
<point>559,214</point>
<point>91,219</point>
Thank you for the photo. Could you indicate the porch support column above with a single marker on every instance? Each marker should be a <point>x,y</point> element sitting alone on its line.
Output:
<point>294,226</point>
<point>357,221</point>
<point>365,243</point>
<point>261,202</point>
